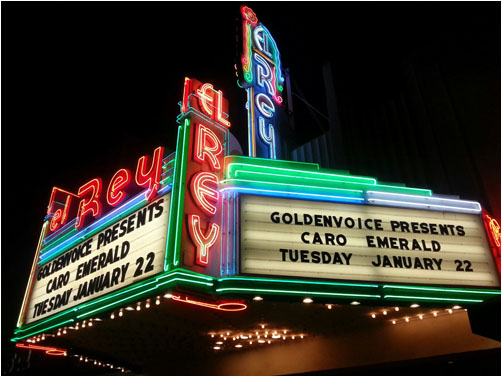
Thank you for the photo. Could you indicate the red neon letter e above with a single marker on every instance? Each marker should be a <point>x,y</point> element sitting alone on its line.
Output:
<point>90,205</point>
<point>114,194</point>
<point>150,178</point>
<point>204,195</point>
<point>207,145</point>
<point>203,243</point>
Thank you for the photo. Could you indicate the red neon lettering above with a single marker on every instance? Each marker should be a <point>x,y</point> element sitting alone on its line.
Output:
<point>90,205</point>
<point>207,145</point>
<point>202,243</point>
<point>59,217</point>
<point>204,194</point>
<point>115,194</point>
<point>150,178</point>
<point>219,115</point>
<point>204,98</point>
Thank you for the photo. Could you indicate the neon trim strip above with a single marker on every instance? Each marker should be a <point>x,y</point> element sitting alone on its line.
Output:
<point>27,292</point>
<point>419,205</point>
<point>432,298</point>
<point>306,174</point>
<point>298,282</point>
<point>181,192</point>
<point>483,292</point>
<point>253,290</point>
<point>289,194</point>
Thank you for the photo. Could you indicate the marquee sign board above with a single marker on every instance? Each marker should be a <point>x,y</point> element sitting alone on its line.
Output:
<point>124,253</point>
<point>363,242</point>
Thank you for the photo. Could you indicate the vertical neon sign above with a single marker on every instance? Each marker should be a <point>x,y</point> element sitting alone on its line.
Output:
<point>262,79</point>
<point>205,126</point>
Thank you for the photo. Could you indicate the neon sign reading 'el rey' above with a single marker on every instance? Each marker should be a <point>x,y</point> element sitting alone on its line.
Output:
<point>94,199</point>
<point>207,113</point>
<point>261,66</point>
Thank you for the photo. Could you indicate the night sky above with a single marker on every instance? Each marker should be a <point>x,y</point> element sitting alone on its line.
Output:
<point>88,88</point>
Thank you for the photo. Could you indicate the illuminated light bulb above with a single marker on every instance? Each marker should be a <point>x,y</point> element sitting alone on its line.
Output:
<point>168,295</point>
<point>147,305</point>
<point>301,336</point>
<point>219,342</point>
<point>450,311</point>
<point>83,325</point>
<point>385,312</point>
<point>86,360</point>
<point>43,337</point>
<point>138,307</point>
<point>99,363</point>
<point>308,300</point>
<point>123,370</point>
<point>90,324</point>
<point>157,301</point>
<point>129,308</point>
<point>393,322</point>
<point>262,326</point>
<point>457,307</point>
<point>221,335</point>
<point>330,306</point>
<point>396,309</point>
<point>414,306</point>
<point>266,335</point>
<point>355,303</point>
<point>238,346</point>
<point>261,341</point>
<point>244,337</point>
<point>373,316</point>
<point>283,338</point>
<point>435,314</point>
<point>250,342</point>
<point>225,338</point>
<point>121,313</point>
<point>95,362</point>
<point>465,309</point>
<point>112,316</point>
<point>293,337</point>
<point>407,319</point>
<point>285,331</point>
<point>268,341</point>
<point>258,298</point>
<point>420,316</point>
<point>233,338</point>
<point>81,358</point>
<point>64,330</point>
<point>228,333</point>
<point>98,319</point>
<point>111,366</point>
<point>256,333</point>
<point>258,337</point>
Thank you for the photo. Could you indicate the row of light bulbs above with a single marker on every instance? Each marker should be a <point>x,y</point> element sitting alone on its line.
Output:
<point>308,300</point>
<point>98,363</point>
<point>259,336</point>
<point>433,314</point>
<point>387,311</point>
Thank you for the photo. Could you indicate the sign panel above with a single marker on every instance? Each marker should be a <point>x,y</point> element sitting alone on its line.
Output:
<point>363,242</point>
<point>126,252</point>
<point>263,80</point>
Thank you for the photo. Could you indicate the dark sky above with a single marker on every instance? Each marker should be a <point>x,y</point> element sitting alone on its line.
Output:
<point>88,88</point>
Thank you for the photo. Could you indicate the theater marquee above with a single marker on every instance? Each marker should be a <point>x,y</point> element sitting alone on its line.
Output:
<point>127,251</point>
<point>366,243</point>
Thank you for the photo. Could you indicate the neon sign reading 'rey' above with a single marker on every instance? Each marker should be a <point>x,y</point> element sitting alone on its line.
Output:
<point>93,200</point>
<point>261,66</point>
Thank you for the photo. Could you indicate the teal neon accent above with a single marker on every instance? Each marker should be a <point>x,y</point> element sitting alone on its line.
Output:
<point>253,290</point>
<point>483,292</point>
<point>432,298</point>
<point>181,193</point>
<point>298,282</point>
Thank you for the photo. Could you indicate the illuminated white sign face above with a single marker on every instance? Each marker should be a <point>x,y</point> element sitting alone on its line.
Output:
<point>126,252</point>
<point>363,242</point>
